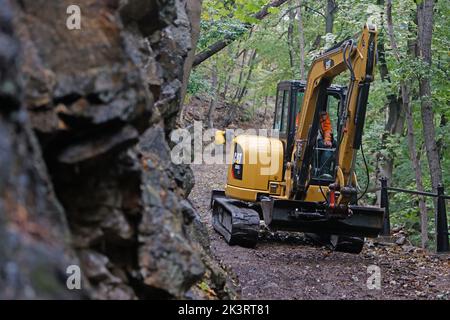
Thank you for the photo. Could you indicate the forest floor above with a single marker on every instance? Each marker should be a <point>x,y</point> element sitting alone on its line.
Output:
<point>287,266</point>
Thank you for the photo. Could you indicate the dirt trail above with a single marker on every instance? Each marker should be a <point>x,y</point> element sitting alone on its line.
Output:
<point>288,267</point>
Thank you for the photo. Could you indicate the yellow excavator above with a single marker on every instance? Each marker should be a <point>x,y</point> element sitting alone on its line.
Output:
<point>292,182</point>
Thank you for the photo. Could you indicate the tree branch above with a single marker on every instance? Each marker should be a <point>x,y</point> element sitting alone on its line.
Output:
<point>219,45</point>
<point>295,8</point>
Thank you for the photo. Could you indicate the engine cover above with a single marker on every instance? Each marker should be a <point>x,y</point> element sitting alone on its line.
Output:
<point>256,164</point>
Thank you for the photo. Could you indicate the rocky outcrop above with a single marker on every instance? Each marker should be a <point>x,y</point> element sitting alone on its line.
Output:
<point>102,101</point>
<point>33,231</point>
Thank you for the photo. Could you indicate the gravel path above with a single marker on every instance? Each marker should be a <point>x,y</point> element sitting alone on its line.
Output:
<point>286,266</point>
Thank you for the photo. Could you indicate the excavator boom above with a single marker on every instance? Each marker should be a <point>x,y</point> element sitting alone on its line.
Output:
<point>359,59</point>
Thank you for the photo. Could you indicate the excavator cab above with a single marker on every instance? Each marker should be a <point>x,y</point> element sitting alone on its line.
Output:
<point>288,106</point>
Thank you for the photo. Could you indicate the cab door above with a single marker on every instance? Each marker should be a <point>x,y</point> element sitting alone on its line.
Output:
<point>281,123</point>
<point>288,105</point>
<point>295,106</point>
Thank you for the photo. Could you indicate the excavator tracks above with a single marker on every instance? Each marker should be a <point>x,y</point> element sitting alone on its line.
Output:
<point>237,223</point>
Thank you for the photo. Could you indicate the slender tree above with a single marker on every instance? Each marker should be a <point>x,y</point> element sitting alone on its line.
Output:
<point>301,34</point>
<point>194,8</point>
<point>394,115</point>
<point>290,35</point>
<point>405,91</point>
<point>425,33</point>
<point>329,20</point>
<point>215,89</point>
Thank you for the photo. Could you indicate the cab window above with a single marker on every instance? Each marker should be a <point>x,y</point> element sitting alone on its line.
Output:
<point>279,110</point>
<point>300,95</point>
<point>333,108</point>
<point>281,115</point>
<point>284,122</point>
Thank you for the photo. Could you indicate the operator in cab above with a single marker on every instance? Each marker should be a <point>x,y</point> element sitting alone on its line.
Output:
<point>325,141</point>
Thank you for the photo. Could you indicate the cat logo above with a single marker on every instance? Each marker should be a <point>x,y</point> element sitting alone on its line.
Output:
<point>328,63</point>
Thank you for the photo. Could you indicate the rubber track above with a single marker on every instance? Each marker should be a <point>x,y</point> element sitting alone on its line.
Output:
<point>238,224</point>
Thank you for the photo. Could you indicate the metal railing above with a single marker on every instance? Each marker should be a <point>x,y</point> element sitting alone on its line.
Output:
<point>442,242</point>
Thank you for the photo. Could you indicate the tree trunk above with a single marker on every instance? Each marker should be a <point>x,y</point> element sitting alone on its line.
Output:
<point>193,8</point>
<point>266,104</point>
<point>301,41</point>
<point>215,93</point>
<point>230,69</point>
<point>242,86</point>
<point>329,20</point>
<point>440,143</point>
<point>242,90</point>
<point>237,93</point>
<point>290,36</point>
<point>416,167</point>
<point>220,45</point>
<point>395,115</point>
<point>425,30</point>
<point>251,66</point>
<point>226,86</point>
<point>241,75</point>
<point>411,137</point>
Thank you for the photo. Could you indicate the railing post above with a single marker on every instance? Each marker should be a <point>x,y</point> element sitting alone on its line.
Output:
<point>384,203</point>
<point>442,244</point>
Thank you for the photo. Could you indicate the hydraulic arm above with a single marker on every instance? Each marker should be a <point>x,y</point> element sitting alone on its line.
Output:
<point>359,59</point>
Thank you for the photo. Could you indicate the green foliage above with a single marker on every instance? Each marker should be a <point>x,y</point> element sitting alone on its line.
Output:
<point>198,84</point>
<point>213,31</point>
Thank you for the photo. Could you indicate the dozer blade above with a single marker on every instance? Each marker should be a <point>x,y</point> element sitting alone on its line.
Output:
<point>303,216</point>
<point>237,223</point>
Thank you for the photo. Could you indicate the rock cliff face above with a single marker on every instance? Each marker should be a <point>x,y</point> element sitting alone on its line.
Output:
<point>34,249</point>
<point>101,101</point>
